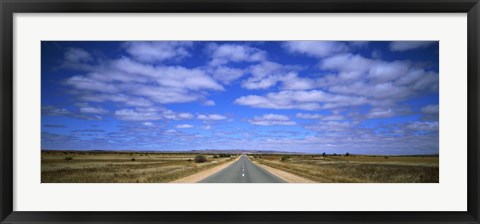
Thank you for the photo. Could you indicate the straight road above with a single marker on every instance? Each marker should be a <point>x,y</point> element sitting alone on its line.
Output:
<point>242,171</point>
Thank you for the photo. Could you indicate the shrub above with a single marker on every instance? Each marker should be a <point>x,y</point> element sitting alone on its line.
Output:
<point>386,157</point>
<point>215,156</point>
<point>189,160</point>
<point>347,154</point>
<point>200,159</point>
<point>133,159</point>
<point>284,158</point>
<point>324,154</point>
<point>68,158</point>
<point>224,155</point>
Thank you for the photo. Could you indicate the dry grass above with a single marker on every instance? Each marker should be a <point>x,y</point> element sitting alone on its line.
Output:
<point>357,169</point>
<point>98,167</point>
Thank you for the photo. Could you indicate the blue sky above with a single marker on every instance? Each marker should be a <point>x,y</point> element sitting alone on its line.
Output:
<point>375,97</point>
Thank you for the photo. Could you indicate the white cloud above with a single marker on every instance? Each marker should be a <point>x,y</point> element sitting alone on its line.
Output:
<point>212,117</point>
<point>380,81</point>
<point>78,59</point>
<point>93,110</point>
<point>209,103</point>
<point>332,117</point>
<point>169,76</point>
<point>118,98</point>
<point>430,109</point>
<point>150,114</point>
<point>54,111</point>
<point>158,51</point>
<point>305,100</point>
<point>261,83</point>
<point>85,83</point>
<point>334,126</point>
<point>309,116</point>
<point>386,112</point>
<point>376,70</point>
<point>171,115</point>
<point>291,81</point>
<point>143,83</point>
<point>423,126</point>
<point>148,124</point>
<point>386,91</point>
<point>226,75</point>
<point>77,55</point>
<point>225,53</point>
<point>184,126</point>
<point>316,48</point>
<point>134,115</point>
<point>409,45</point>
<point>267,74</point>
<point>184,116</point>
<point>163,95</point>
<point>381,113</point>
<point>271,119</point>
<point>207,127</point>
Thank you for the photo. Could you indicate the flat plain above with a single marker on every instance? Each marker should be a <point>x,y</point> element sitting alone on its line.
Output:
<point>151,167</point>
<point>122,167</point>
<point>356,168</point>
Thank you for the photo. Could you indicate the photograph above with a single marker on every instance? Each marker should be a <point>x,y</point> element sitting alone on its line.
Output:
<point>263,111</point>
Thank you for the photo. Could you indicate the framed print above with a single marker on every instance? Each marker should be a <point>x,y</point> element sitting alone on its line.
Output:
<point>245,112</point>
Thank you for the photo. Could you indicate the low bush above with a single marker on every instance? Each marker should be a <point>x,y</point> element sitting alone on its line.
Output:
<point>200,159</point>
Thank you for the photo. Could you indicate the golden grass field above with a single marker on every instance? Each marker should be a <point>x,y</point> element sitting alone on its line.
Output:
<point>127,167</point>
<point>121,167</point>
<point>356,168</point>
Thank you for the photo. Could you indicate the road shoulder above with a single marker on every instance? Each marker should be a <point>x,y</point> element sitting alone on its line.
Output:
<point>204,174</point>
<point>286,176</point>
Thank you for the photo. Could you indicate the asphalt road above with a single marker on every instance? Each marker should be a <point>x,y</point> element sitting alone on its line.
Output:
<point>243,171</point>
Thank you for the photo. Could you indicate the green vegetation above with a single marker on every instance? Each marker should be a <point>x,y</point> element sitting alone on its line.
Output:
<point>200,159</point>
<point>225,155</point>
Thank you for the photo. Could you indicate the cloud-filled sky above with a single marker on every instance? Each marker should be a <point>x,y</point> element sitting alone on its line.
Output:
<point>375,97</point>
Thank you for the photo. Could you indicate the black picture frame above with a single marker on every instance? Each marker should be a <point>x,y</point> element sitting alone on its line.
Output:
<point>9,7</point>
